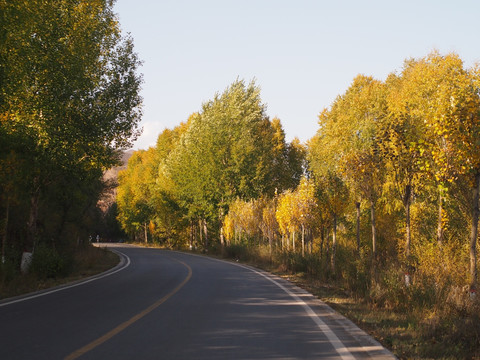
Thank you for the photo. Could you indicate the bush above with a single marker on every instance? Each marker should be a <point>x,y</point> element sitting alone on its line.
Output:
<point>357,277</point>
<point>8,271</point>
<point>390,292</point>
<point>48,263</point>
<point>237,251</point>
<point>310,264</point>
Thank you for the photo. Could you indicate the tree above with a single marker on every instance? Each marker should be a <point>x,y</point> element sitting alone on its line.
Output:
<point>269,225</point>
<point>400,145</point>
<point>297,161</point>
<point>289,160</point>
<point>324,163</point>
<point>445,97</point>
<point>146,197</point>
<point>287,217</point>
<point>133,194</point>
<point>69,91</point>
<point>244,220</point>
<point>225,154</point>
<point>358,115</point>
<point>307,209</point>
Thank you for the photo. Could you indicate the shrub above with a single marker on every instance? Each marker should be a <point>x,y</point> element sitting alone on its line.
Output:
<point>8,271</point>
<point>237,251</point>
<point>48,263</point>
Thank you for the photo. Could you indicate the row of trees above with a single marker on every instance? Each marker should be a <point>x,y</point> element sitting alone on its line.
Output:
<point>229,150</point>
<point>407,140</point>
<point>278,219</point>
<point>69,101</point>
<point>392,176</point>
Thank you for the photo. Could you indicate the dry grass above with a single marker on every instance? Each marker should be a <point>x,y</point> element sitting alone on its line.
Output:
<point>409,334</point>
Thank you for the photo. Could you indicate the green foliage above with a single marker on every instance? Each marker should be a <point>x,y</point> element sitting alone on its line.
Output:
<point>69,101</point>
<point>404,152</point>
<point>355,272</point>
<point>145,197</point>
<point>228,153</point>
<point>400,148</point>
<point>225,153</point>
<point>390,187</point>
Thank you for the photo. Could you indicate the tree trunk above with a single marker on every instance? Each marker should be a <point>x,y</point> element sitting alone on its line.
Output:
<point>407,202</point>
<point>222,237</point>
<point>33,218</point>
<point>310,239</point>
<point>322,240</point>
<point>270,242</point>
<point>205,232</point>
<point>293,240</point>
<point>440,219</point>
<point>303,240</point>
<point>63,219</point>
<point>474,233</point>
<point>357,205</point>
<point>192,231</point>
<point>374,241</point>
<point>334,243</point>
<point>5,229</point>
<point>374,230</point>
<point>146,233</point>
<point>327,246</point>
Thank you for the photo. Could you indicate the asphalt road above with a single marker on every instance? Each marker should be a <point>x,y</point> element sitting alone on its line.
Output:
<point>167,305</point>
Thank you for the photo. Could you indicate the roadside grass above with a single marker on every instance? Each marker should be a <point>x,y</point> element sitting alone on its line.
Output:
<point>85,261</point>
<point>408,333</point>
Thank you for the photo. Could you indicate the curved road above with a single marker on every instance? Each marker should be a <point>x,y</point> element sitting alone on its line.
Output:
<point>167,305</point>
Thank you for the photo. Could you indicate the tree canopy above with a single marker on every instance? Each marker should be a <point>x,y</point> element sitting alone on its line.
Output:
<point>69,102</point>
<point>229,150</point>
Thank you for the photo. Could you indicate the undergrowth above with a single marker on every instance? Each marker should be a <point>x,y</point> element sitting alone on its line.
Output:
<point>425,320</point>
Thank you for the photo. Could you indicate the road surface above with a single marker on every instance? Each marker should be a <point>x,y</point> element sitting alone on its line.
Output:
<point>161,304</point>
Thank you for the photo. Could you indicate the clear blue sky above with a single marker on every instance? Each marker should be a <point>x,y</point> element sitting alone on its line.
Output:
<point>302,53</point>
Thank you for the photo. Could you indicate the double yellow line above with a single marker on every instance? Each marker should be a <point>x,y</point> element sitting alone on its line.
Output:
<point>76,354</point>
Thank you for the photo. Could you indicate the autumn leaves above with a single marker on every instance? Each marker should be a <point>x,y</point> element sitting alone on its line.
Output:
<point>399,149</point>
<point>401,141</point>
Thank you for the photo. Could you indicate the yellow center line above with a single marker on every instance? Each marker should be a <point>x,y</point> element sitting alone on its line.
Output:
<point>76,354</point>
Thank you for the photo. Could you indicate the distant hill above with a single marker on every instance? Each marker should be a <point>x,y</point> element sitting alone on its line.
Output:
<point>112,174</point>
<point>110,177</point>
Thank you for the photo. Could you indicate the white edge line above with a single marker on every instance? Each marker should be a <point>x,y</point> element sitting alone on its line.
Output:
<point>339,347</point>
<point>82,282</point>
